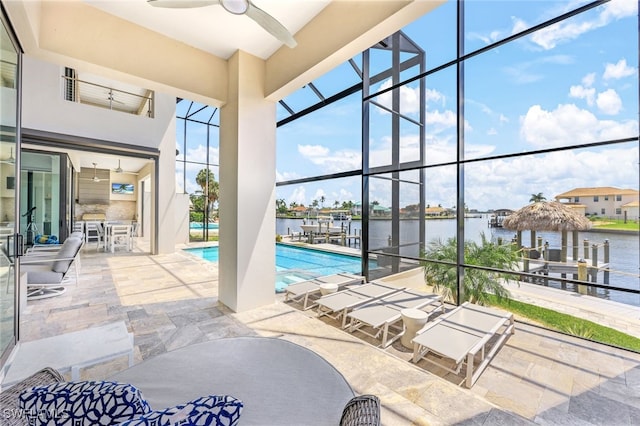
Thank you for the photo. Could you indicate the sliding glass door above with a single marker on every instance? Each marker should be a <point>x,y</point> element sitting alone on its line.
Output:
<point>9,96</point>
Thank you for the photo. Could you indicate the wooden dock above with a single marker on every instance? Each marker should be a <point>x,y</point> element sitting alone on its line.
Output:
<point>569,267</point>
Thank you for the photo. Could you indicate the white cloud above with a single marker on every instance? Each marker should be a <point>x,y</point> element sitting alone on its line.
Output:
<point>618,70</point>
<point>568,124</point>
<point>492,132</point>
<point>409,98</point>
<point>298,195</point>
<point>609,102</point>
<point>582,92</point>
<point>441,120</point>
<point>518,25</point>
<point>331,162</point>
<point>318,195</point>
<point>313,150</point>
<point>617,9</point>
<point>509,183</point>
<point>589,79</point>
<point>504,118</point>
<point>553,35</point>
<point>432,95</point>
<point>284,176</point>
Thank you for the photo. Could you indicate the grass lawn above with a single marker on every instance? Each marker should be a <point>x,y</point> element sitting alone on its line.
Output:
<point>569,324</point>
<point>604,223</point>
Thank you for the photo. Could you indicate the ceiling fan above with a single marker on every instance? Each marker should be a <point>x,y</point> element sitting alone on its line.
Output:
<point>237,7</point>
<point>118,169</point>
<point>95,177</point>
<point>121,170</point>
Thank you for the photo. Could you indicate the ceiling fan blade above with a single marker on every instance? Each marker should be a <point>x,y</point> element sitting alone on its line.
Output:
<point>182,4</point>
<point>271,24</point>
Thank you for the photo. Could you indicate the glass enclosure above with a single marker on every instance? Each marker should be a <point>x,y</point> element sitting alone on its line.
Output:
<point>197,166</point>
<point>9,85</point>
<point>40,196</point>
<point>467,115</point>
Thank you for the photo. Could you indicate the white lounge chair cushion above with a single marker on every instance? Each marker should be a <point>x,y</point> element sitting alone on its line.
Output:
<point>204,411</point>
<point>41,274</point>
<point>68,250</point>
<point>89,402</point>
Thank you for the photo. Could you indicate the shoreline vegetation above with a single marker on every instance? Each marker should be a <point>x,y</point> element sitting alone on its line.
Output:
<point>598,224</point>
<point>568,324</point>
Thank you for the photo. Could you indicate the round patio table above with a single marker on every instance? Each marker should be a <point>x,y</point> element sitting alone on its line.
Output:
<point>279,382</point>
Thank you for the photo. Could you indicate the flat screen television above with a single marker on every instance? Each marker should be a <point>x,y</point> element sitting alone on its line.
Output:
<point>122,188</point>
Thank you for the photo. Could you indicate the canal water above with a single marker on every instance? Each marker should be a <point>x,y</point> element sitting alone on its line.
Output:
<point>624,254</point>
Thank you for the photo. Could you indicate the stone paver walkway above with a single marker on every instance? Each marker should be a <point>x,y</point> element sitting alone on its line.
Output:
<point>169,301</point>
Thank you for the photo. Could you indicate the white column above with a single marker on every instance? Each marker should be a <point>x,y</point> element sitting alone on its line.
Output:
<point>247,188</point>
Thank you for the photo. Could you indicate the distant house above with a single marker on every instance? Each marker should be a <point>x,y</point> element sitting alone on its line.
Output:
<point>299,211</point>
<point>435,211</point>
<point>357,209</point>
<point>603,201</point>
<point>380,211</point>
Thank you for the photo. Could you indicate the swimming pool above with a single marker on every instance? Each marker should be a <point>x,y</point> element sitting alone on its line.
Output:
<point>198,225</point>
<point>295,264</point>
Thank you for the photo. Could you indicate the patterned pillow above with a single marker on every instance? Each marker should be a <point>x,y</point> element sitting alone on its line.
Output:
<point>218,410</point>
<point>76,403</point>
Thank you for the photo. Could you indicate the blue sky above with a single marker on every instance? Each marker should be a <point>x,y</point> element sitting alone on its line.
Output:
<point>572,83</point>
<point>575,82</point>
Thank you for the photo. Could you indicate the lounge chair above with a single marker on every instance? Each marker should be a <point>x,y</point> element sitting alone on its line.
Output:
<point>462,334</point>
<point>47,275</point>
<point>309,290</point>
<point>337,305</point>
<point>383,315</point>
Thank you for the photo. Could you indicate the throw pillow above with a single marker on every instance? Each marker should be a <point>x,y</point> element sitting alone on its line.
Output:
<point>218,410</point>
<point>78,403</point>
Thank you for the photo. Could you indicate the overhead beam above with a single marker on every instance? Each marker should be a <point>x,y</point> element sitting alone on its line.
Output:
<point>75,34</point>
<point>338,33</point>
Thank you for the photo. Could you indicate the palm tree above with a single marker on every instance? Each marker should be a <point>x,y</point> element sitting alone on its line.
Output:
<point>536,198</point>
<point>322,200</point>
<point>281,206</point>
<point>210,188</point>
<point>478,284</point>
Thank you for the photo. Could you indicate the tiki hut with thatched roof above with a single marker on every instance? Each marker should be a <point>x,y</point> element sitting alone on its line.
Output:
<point>548,216</point>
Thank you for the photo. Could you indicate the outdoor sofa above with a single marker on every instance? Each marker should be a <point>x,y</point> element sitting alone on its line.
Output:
<point>256,380</point>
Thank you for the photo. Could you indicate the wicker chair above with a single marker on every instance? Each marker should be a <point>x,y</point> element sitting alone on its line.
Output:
<point>363,410</point>
<point>9,397</point>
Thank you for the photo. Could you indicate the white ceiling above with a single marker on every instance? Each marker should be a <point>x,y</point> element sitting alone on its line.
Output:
<point>86,159</point>
<point>212,28</point>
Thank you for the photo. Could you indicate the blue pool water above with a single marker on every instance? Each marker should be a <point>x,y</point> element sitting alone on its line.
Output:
<point>197,225</point>
<point>295,264</point>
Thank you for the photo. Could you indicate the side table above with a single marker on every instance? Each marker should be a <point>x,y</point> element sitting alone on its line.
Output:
<point>328,288</point>
<point>414,320</point>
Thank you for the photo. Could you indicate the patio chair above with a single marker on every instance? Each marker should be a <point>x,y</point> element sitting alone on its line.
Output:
<point>363,410</point>
<point>338,305</point>
<point>118,236</point>
<point>52,250</point>
<point>94,232</point>
<point>47,275</point>
<point>460,336</point>
<point>384,317</point>
<point>310,290</point>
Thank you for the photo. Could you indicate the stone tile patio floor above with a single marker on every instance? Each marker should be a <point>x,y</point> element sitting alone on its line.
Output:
<point>169,301</point>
